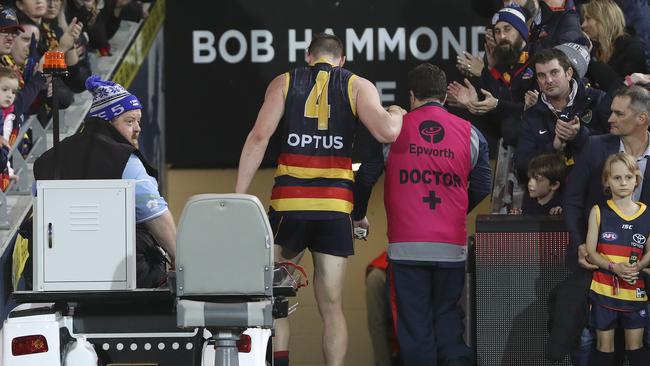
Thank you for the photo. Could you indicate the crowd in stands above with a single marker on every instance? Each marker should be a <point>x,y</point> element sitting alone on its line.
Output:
<point>29,29</point>
<point>564,84</point>
<point>550,70</point>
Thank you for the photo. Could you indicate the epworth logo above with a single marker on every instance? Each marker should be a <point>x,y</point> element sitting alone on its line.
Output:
<point>432,131</point>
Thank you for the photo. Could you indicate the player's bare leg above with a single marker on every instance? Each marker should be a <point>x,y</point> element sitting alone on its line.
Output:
<point>329,275</point>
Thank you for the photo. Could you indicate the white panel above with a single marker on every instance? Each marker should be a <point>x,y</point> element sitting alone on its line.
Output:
<point>91,243</point>
<point>88,238</point>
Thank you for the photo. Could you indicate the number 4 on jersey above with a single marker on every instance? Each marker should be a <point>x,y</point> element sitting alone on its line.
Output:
<point>317,105</point>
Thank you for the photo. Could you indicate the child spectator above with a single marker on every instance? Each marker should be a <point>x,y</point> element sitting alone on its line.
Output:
<point>546,175</point>
<point>616,243</point>
<point>10,125</point>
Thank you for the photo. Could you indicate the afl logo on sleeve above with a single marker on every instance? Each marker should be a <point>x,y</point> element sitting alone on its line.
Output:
<point>432,131</point>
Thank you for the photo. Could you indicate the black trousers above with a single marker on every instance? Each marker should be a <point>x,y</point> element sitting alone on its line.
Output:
<point>150,262</point>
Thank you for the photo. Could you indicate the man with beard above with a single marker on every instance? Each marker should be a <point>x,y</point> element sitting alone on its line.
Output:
<point>551,22</point>
<point>507,78</point>
<point>565,115</point>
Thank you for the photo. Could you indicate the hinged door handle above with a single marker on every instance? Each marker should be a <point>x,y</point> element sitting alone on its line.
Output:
<point>49,235</point>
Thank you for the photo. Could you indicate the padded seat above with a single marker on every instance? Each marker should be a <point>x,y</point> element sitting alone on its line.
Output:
<point>224,263</point>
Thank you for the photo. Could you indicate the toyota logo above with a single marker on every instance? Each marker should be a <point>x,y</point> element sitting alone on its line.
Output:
<point>638,238</point>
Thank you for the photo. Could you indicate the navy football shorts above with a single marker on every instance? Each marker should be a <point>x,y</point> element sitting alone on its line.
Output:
<point>602,318</point>
<point>329,236</point>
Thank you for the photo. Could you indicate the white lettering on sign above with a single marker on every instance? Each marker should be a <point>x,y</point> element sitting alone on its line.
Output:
<point>369,44</point>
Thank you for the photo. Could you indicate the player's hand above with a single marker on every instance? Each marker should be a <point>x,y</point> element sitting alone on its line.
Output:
<point>557,210</point>
<point>582,258</point>
<point>363,223</point>
<point>396,108</point>
<point>361,228</point>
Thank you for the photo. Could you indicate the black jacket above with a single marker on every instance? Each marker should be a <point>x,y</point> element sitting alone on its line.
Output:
<point>555,27</point>
<point>97,152</point>
<point>538,126</point>
<point>568,309</point>
<point>628,57</point>
<point>511,94</point>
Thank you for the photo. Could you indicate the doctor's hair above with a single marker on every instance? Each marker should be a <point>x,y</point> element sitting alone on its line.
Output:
<point>428,81</point>
<point>630,164</point>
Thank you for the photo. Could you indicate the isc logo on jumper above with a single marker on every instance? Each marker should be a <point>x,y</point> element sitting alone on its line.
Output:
<point>609,236</point>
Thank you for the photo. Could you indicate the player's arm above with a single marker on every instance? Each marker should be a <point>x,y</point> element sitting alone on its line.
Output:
<point>383,125</point>
<point>267,122</point>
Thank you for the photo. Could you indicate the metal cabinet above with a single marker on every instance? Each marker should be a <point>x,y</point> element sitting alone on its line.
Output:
<point>84,235</point>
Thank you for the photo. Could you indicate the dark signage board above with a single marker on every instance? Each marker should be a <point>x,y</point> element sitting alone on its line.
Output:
<point>221,55</point>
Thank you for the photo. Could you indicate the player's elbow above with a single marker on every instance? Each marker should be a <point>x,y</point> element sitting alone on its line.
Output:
<point>257,137</point>
<point>394,133</point>
<point>390,134</point>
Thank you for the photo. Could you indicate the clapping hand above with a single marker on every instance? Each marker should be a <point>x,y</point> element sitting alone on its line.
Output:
<point>530,99</point>
<point>459,95</point>
<point>567,131</point>
<point>484,106</point>
<point>469,65</point>
<point>72,33</point>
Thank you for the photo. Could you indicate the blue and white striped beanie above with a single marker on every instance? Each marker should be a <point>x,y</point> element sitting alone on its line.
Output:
<point>515,16</point>
<point>110,99</point>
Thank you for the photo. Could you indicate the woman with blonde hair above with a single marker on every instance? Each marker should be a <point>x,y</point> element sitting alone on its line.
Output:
<point>615,53</point>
